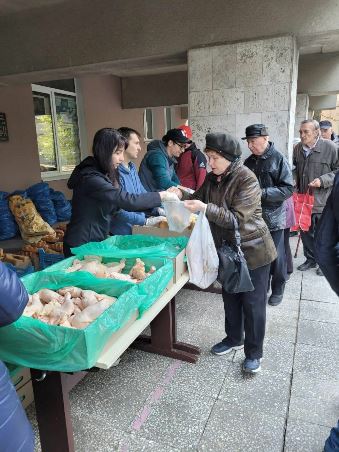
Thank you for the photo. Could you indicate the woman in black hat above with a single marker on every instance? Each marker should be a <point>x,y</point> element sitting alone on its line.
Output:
<point>232,189</point>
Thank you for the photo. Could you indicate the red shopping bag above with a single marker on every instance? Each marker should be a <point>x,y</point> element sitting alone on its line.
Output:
<point>303,205</point>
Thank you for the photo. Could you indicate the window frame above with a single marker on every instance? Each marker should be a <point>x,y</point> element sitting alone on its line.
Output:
<point>146,138</point>
<point>57,175</point>
<point>167,128</point>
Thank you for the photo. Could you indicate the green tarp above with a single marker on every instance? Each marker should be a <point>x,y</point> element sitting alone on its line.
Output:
<point>31,343</point>
<point>124,246</point>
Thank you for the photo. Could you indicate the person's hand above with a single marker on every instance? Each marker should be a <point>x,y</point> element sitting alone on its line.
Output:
<point>194,205</point>
<point>152,221</point>
<point>186,189</point>
<point>316,183</point>
<point>168,196</point>
<point>175,190</point>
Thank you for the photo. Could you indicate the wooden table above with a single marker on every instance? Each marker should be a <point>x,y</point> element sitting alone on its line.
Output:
<point>51,389</point>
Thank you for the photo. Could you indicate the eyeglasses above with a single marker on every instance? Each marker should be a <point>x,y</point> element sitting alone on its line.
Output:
<point>181,146</point>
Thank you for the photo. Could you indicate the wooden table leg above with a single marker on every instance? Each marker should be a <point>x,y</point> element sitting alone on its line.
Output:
<point>163,340</point>
<point>53,409</point>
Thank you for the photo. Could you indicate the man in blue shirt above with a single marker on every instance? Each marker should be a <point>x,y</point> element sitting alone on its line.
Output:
<point>123,221</point>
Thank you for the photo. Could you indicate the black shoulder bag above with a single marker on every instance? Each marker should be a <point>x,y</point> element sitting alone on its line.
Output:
<point>233,272</point>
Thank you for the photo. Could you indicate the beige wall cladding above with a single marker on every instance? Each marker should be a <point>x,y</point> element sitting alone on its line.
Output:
<point>249,64</point>
<point>248,82</point>
<point>278,125</point>
<point>278,60</point>
<point>200,103</point>
<point>267,98</point>
<point>200,69</point>
<point>203,125</point>
<point>224,60</point>
<point>227,101</point>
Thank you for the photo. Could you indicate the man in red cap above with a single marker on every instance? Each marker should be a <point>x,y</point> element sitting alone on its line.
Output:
<point>191,167</point>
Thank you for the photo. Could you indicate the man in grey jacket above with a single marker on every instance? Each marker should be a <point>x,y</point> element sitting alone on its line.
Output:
<point>316,162</point>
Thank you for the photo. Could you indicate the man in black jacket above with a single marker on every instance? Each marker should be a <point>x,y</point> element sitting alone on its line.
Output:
<point>275,178</point>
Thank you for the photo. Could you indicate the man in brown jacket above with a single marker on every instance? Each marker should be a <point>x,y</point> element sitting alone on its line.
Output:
<point>316,162</point>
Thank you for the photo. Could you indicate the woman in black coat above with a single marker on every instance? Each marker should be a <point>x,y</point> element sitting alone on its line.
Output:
<point>96,192</point>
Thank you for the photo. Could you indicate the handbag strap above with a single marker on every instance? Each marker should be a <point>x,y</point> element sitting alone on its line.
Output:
<point>236,229</point>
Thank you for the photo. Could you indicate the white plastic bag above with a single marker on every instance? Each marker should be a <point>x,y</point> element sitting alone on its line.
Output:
<point>178,217</point>
<point>202,256</point>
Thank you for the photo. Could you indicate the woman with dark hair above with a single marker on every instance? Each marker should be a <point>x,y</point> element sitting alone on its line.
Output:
<point>96,192</point>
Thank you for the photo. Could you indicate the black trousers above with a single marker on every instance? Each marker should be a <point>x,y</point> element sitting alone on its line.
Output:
<point>308,238</point>
<point>288,252</point>
<point>279,266</point>
<point>246,312</point>
<point>67,250</point>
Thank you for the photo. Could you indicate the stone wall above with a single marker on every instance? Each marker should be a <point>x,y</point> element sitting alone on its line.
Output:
<point>233,86</point>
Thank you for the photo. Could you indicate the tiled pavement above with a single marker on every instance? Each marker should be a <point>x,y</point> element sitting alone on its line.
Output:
<point>156,404</point>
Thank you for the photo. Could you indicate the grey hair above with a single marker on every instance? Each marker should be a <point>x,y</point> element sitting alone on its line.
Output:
<point>311,121</point>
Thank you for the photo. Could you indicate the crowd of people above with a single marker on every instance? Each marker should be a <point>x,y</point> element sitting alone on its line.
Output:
<point>110,196</point>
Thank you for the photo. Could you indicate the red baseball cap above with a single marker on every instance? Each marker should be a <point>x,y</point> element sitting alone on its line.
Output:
<point>187,131</point>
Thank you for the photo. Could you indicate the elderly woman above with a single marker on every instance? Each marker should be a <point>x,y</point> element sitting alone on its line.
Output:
<point>232,189</point>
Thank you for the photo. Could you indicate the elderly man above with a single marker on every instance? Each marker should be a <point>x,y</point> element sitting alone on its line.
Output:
<point>327,132</point>
<point>316,162</point>
<point>275,178</point>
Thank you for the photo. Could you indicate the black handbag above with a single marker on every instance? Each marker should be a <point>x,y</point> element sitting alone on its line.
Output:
<point>233,272</point>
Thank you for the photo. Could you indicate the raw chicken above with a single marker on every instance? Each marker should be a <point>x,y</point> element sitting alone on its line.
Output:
<point>90,313</point>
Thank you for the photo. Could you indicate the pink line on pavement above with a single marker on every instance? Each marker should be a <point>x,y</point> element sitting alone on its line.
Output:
<point>156,395</point>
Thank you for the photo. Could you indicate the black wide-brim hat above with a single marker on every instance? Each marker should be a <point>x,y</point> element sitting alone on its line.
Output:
<point>256,130</point>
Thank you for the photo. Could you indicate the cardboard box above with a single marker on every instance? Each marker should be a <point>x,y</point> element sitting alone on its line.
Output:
<point>159,232</point>
<point>20,376</point>
<point>25,394</point>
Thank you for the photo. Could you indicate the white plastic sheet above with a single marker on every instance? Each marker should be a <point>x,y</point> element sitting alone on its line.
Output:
<point>202,256</point>
<point>178,217</point>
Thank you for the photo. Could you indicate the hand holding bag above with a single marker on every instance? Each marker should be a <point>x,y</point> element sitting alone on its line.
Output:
<point>233,272</point>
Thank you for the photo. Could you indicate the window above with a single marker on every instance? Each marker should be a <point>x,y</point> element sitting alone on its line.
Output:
<point>57,130</point>
<point>168,118</point>
<point>148,124</point>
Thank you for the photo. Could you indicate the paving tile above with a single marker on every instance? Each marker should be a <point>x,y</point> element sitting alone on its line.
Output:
<point>320,412</point>
<point>196,381</point>
<point>90,432</point>
<point>315,310</point>
<point>321,334</point>
<point>321,388</point>
<point>278,355</point>
<point>237,431</point>
<point>317,289</point>
<point>179,424</point>
<point>305,436</point>
<point>285,330</point>
<point>289,305</point>
<point>268,392</point>
<point>136,443</point>
<point>316,362</point>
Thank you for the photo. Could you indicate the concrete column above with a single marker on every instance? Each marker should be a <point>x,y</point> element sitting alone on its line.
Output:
<point>301,111</point>
<point>232,86</point>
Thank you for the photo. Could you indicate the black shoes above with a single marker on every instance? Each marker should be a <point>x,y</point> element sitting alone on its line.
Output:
<point>274,300</point>
<point>307,265</point>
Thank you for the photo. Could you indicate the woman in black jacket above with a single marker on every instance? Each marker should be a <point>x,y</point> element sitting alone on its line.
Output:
<point>15,430</point>
<point>96,192</point>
